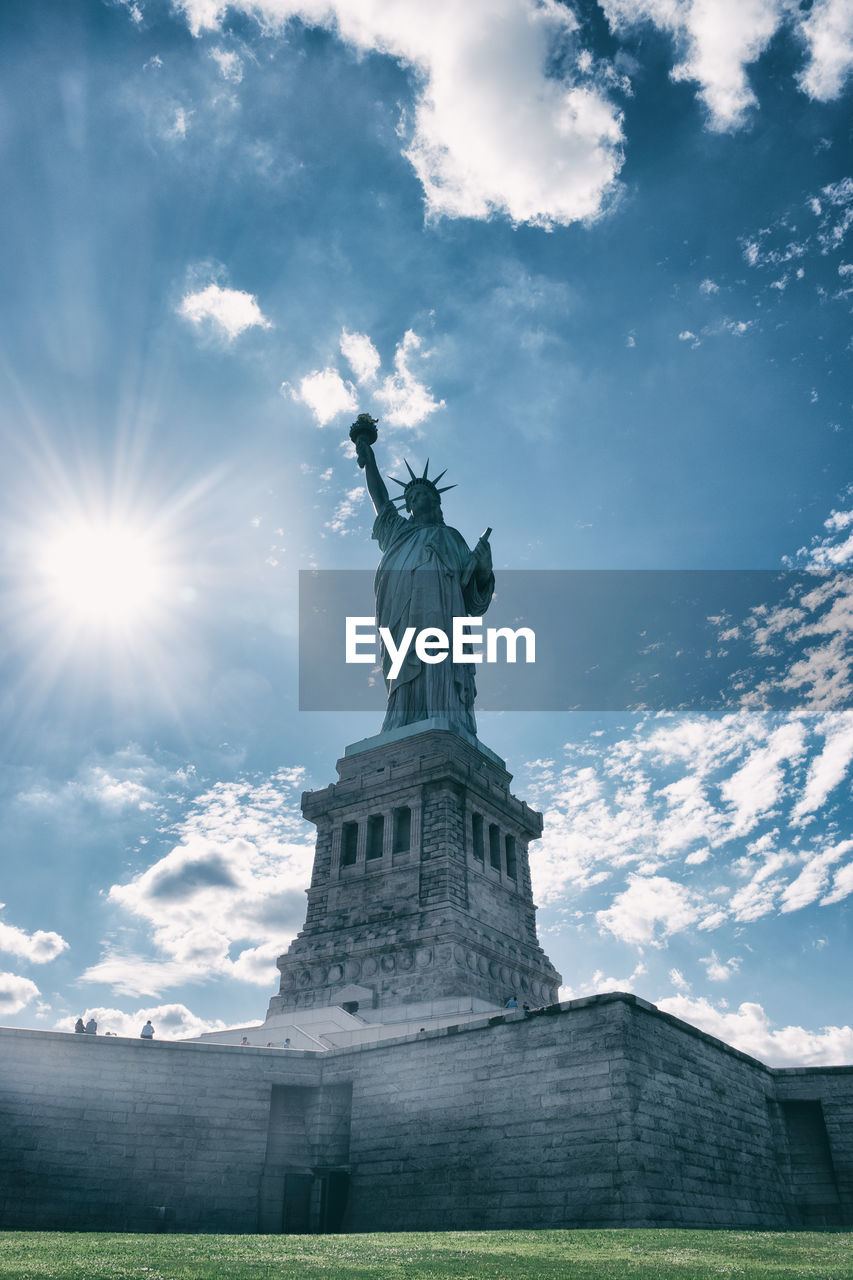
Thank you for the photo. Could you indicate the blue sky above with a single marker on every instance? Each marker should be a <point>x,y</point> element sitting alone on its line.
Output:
<point>594,259</point>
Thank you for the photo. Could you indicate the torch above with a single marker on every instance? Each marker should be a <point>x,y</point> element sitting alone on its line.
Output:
<point>364,428</point>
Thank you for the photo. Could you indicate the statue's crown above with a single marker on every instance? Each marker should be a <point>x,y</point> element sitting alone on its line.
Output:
<point>407,486</point>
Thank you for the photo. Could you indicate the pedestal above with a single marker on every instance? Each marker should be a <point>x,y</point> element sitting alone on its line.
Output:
<point>421,882</point>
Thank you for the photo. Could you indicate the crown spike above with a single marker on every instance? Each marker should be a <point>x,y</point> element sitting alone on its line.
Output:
<point>411,472</point>
<point>436,479</point>
<point>426,469</point>
<point>446,487</point>
<point>401,483</point>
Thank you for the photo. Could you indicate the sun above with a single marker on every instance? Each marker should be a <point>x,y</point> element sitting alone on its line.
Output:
<point>102,593</point>
<point>103,574</point>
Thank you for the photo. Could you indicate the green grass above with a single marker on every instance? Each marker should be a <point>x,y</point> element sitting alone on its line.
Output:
<point>451,1255</point>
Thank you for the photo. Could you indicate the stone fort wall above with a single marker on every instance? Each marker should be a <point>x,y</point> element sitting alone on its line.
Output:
<point>599,1112</point>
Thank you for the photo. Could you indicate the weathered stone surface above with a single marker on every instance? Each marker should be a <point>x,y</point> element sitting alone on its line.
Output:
<point>401,901</point>
<point>600,1112</point>
<point>105,1132</point>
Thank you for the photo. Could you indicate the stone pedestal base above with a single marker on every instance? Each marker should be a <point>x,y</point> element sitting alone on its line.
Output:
<point>421,882</point>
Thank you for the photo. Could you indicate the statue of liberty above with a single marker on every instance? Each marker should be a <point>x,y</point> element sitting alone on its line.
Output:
<point>427,577</point>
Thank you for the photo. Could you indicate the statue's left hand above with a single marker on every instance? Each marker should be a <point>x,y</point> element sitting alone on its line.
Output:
<point>483,557</point>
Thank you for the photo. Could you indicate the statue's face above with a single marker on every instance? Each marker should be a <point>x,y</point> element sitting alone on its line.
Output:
<point>424,504</point>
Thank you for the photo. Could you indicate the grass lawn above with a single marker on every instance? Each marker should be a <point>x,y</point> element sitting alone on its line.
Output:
<point>455,1255</point>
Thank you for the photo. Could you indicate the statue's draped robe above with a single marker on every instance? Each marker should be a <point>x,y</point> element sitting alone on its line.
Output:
<point>419,584</point>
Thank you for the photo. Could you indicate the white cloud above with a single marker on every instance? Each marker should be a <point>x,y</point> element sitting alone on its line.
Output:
<point>115,793</point>
<point>232,884</point>
<point>599,983</point>
<point>751,252</point>
<point>832,549</point>
<point>585,832</point>
<point>677,798</point>
<point>651,909</point>
<point>39,947</point>
<point>345,510</point>
<point>126,779</point>
<point>812,880</point>
<point>842,886</point>
<point>133,975</point>
<point>715,40</point>
<point>363,357</point>
<point>258,964</point>
<point>325,393</point>
<point>751,1030</point>
<point>180,123</point>
<point>15,992</point>
<point>708,287</point>
<point>231,310</point>
<point>134,10</point>
<point>758,785</point>
<point>827,31</point>
<point>736,327</point>
<point>827,769</point>
<point>835,209</point>
<point>726,325</point>
<point>759,897</point>
<point>690,816</point>
<point>678,980</point>
<point>759,252</point>
<point>170,1021</point>
<point>408,401</point>
<point>675,801</point>
<point>820,621</point>
<point>718,970</point>
<point>230,64</point>
<point>494,129</point>
<point>615,812</point>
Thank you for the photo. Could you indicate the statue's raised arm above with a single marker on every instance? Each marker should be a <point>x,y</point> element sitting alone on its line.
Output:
<point>363,435</point>
<point>427,576</point>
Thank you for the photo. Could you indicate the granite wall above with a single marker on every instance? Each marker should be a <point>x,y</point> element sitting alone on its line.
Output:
<point>599,1112</point>
<point>99,1132</point>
